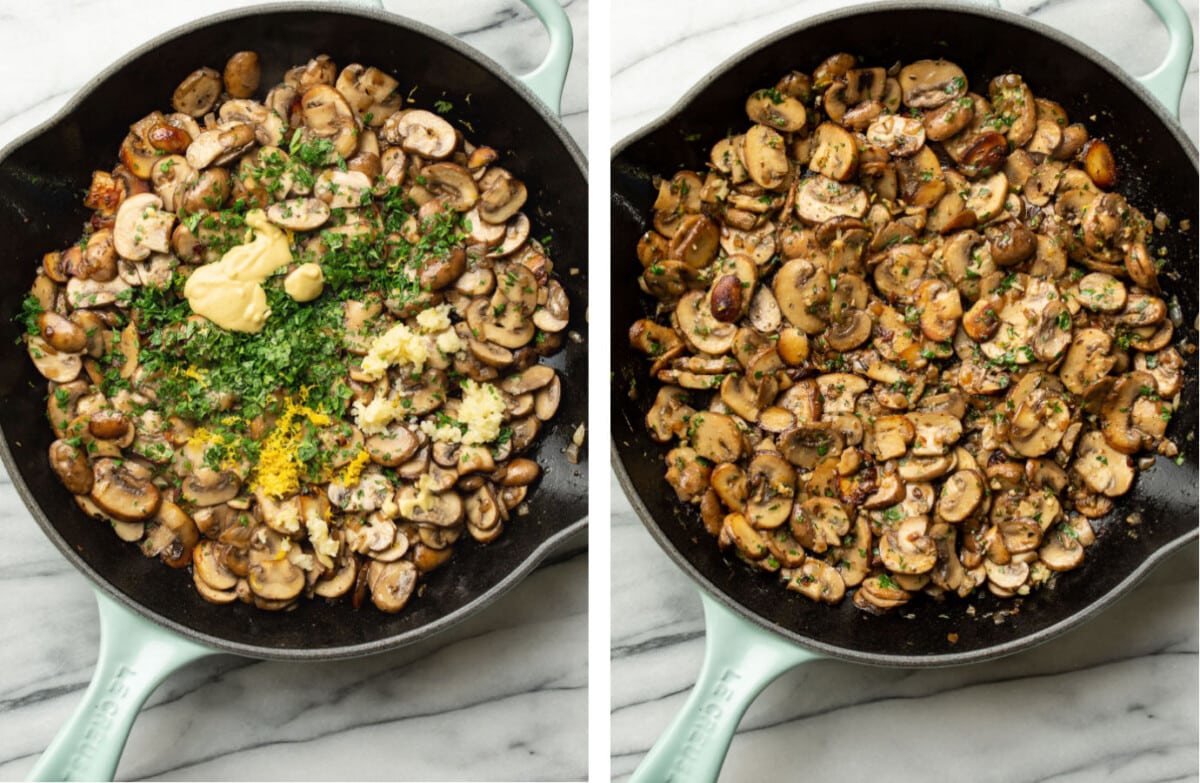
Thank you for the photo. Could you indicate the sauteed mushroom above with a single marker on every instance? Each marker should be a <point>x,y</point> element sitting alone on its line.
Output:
<point>912,322</point>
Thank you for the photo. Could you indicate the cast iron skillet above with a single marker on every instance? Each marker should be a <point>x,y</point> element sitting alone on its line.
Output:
<point>1159,170</point>
<point>41,178</point>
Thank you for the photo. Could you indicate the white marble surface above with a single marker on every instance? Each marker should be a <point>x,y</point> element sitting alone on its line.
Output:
<point>502,696</point>
<point>1115,700</point>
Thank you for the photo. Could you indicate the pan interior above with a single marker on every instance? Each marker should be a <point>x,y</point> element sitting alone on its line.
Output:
<point>1158,171</point>
<point>41,186</point>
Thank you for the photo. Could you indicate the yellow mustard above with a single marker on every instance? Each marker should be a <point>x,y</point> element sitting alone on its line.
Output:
<point>229,293</point>
<point>305,283</point>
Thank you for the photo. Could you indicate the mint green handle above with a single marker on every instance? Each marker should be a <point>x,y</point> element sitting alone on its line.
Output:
<point>135,656</point>
<point>1166,81</point>
<point>740,659</point>
<point>548,79</point>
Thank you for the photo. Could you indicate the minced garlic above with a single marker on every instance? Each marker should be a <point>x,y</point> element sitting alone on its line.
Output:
<point>402,345</point>
<point>374,417</point>
<point>423,499</point>
<point>481,411</point>
<point>434,319</point>
<point>398,345</point>
<point>318,535</point>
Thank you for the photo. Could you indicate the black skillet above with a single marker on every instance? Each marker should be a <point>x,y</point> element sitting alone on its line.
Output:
<point>152,620</point>
<point>756,630</point>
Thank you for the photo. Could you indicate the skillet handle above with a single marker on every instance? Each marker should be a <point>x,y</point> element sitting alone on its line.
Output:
<point>135,656</point>
<point>740,659</point>
<point>548,79</point>
<point>1166,81</point>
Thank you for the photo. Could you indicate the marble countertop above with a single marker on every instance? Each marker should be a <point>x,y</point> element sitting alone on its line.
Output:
<point>502,696</point>
<point>1114,700</point>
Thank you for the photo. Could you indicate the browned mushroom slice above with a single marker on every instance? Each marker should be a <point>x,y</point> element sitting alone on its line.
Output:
<point>935,433</point>
<point>197,93</point>
<point>819,198</point>
<point>52,364</point>
<point>986,198</point>
<point>765,157</point>
<point>220,145</point>
<point>809,443</point>
<point>715,437</point>
<point>802,292</point>
<point>1087,359</point>
<point>1062,550</point>
<point>327,115</point>
<point>1015,108</point>
<point>891,436</point>
<point>1103,469</point>
<point>687,473</point>
<point>142,227</point>
<point>927,84</point>
<point>922,181</point>
<point>71,466</point>
<point>737,531</point>
<point>771,486</point>
<point>1005,579</point>
<point>1099,163</point>
<point>1118,411</point>
<point>818,581</point>
<point>299,214</point>
<point>1020,534</point>
<point>209,566</point>
<point>900,136</point>
<point>370,92</point>
<point>776,109</point>
<point>122,494</point>
<point>835,152</point>
<point>1100,292</point>
<point>940,309</point>
<point>819,523</point>
<point>961,495</point>
<point>907,549</point>
<point>729,482</point>
<point>700,328</point>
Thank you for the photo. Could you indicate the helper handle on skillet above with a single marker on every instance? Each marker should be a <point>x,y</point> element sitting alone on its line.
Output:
<point>740,659</point>
<point>135,656</point>
<point>548,79</point>
<point>1166,81</point>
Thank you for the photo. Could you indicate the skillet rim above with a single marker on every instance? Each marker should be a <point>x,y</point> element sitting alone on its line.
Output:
<point>701,580</point>
<point>98,581</point>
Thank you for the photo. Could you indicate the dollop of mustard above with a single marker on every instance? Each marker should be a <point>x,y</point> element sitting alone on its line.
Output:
<point>305,283</point>
<point>229,293</point>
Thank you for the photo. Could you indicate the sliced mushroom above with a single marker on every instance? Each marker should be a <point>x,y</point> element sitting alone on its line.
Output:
<point>197,93</point>
<point>118,492</point>
<point>423,133</point>
<point>835,153</point>
<point>907,549</point>
<point>299,214</point>
<point>765,157</point>
<point>1103,469</point>
<point>927,84</point>
<point>819,199</point>
<point>142,227</point>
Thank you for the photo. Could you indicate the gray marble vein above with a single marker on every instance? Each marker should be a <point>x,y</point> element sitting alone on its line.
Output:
<point>1114,700</point>
<point>502,696</point>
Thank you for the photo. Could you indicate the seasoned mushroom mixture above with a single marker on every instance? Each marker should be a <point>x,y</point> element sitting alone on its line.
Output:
<point>909,338</point>
<point>297,347</point>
